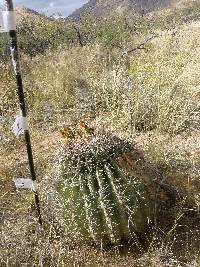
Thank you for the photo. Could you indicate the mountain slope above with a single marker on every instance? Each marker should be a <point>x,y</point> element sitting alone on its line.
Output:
<point>102,8</point>
<point>23,13</point>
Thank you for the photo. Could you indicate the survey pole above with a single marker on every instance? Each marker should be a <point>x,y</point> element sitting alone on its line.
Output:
<point>16,65</point>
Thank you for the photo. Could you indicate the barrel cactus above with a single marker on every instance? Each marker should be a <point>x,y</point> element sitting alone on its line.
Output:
<point>101,202</point>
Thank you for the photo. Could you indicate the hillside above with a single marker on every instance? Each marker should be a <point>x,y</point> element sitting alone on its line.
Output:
<point>102,8</point>
<point>24,13</point>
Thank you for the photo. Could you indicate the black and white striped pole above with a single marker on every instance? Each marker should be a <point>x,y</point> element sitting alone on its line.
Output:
<point>20,125</point>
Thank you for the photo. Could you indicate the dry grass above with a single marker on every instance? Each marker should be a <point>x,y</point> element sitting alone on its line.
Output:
<point>151,98</point>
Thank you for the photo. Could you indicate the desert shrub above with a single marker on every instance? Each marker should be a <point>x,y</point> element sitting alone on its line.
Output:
<point>37,37</point>
<point>86,30</point>
<point>113,33</point>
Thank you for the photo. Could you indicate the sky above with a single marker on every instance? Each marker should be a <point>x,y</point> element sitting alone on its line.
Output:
<point>49,7</point>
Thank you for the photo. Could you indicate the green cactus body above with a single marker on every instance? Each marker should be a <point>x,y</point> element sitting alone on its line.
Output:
<point>74,205</point>
<point>100,202</point>
<point>94,218</point>
<point>133,198</point>
<point>113,207</point>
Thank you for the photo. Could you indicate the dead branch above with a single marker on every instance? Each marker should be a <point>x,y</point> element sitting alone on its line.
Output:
<point>126,52</point>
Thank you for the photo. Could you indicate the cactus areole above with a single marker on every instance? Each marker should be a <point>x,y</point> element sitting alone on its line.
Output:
<point>101,202</point>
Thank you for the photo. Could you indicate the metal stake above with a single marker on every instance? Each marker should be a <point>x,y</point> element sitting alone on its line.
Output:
<point>20,91</point>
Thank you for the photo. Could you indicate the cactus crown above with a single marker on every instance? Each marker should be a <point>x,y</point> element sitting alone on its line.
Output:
<point>99,146</point>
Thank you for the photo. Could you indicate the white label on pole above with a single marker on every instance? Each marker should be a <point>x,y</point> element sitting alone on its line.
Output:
<point>20,125</point>
<point>23,183</point>
<point>34,186</point>
<point>7,21</point>
<point>1,22</point>
<point>16,65</point>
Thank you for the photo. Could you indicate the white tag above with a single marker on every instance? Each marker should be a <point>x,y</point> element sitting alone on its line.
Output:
<point>20,125</point>
<point>34,186</point>
<point>24,183</point>
<point>7,21</point>
<point>1,22</point>
<point>16,65</point>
